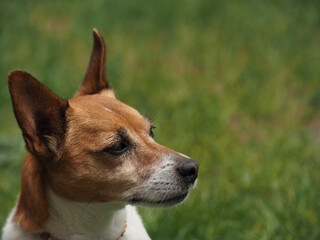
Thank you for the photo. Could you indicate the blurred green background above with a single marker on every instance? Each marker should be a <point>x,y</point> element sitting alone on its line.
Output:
<point>233,84</point>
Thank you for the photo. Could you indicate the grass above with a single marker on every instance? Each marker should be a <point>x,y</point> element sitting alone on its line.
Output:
<point>234,84</point>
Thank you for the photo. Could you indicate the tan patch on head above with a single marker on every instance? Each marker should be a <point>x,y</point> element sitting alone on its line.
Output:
<point>85,172</point>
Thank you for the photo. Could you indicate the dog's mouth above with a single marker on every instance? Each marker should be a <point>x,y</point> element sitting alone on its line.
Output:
<point>165,202</point>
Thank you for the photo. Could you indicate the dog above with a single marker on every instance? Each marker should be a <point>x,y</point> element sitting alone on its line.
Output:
<point>89,161</point>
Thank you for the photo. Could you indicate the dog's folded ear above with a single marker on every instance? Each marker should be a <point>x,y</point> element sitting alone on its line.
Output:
<point>41,115</point>
<point>95,78</point>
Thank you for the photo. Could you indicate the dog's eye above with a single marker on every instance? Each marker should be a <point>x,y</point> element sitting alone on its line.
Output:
<point>118,148</point>
<point>151,132</point>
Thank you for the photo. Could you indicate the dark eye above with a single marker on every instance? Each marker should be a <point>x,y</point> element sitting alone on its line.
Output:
<point>151,132</point>
<point>118,148</point>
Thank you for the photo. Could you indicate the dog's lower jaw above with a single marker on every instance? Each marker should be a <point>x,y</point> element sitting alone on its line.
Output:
<point>164,202</point>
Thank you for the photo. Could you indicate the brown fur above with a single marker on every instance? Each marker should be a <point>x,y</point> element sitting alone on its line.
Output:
<point>32,208</point>
<point>95,78</point>
<point>38,111</point>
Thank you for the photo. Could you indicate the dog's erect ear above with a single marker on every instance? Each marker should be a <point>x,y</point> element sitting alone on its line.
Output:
<point>41,115</point>
<point>95,78</point>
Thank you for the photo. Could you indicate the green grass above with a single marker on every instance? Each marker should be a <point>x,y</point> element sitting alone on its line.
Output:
<point>234,84</point>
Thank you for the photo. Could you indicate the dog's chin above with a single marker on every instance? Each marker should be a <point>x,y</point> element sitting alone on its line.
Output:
<point>161,203</point>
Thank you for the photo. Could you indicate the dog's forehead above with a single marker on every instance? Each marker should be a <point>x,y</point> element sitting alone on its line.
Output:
<point>106,109</point>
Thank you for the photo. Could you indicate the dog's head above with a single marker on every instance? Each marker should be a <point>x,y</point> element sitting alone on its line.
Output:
<point>93,147</point>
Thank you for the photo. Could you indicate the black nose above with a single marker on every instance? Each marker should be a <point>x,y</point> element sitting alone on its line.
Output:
<point>189,170</point>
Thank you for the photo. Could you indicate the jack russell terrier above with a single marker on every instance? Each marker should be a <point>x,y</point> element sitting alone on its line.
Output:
<point>88,161</point>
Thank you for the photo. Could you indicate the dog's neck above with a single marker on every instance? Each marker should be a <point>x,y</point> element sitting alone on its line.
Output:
<point>75,220</point>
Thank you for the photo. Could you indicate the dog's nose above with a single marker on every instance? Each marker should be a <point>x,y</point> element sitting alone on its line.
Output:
<point>189,170</point>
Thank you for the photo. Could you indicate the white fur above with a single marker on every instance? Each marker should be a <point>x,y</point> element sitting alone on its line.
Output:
<point>12,230</point>
<point>181,154</point>
<point>164,187</point>
<point>108,109</point>
<point>71,220</point>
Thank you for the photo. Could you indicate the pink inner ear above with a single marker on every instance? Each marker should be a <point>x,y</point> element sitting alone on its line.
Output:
<point>95,78</point>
